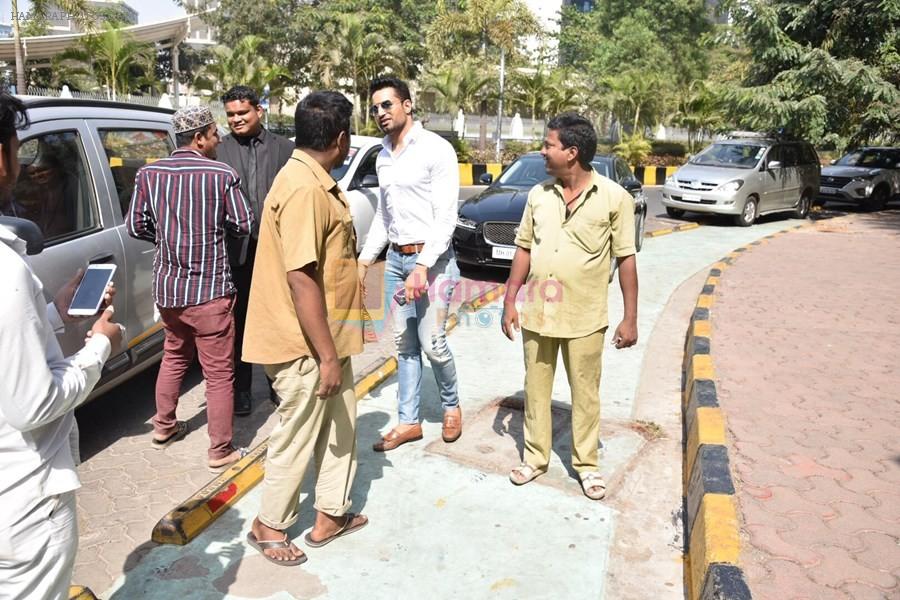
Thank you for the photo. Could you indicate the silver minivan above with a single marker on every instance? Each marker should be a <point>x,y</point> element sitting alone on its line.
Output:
<point>79,160</point>
<point>746,175</point>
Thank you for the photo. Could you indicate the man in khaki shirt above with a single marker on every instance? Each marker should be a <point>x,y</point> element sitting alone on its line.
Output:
<point>303,325</point>
<point>572,225</point>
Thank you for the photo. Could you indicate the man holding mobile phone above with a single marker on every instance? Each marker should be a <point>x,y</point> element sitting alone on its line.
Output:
<point>39,391</point>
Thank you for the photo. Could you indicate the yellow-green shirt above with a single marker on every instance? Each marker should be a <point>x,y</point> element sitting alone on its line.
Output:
<point>565,295</point>
<point>306,219</point>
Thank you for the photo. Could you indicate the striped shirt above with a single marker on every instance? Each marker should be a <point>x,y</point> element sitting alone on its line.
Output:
<point>184,204</point>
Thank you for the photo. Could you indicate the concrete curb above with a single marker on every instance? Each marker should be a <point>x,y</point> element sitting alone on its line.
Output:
<point>668,230</point>
<point>79,592</point>
<point>712,528</point>
<point>187,520</point>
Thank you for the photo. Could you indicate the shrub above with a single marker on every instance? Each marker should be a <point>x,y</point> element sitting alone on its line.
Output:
<point>668,148</point>
<point>633,148</point>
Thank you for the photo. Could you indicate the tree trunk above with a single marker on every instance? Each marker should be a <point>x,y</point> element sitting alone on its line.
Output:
<point>482,127</point>
<point>637,117</point>
<point>21,87</point>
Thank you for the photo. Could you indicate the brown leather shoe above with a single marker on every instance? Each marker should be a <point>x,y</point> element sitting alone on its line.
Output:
<point>395,438</point>
<point>452,428</point>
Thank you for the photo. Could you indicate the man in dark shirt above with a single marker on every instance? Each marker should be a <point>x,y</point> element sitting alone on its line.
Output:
<point>185,204</point>
<point>257,155</point>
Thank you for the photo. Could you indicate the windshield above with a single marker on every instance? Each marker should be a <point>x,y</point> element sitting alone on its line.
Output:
<point>338,172</point>
<point>873,159</point>
<point>529,170</point>
<point>737,156</point>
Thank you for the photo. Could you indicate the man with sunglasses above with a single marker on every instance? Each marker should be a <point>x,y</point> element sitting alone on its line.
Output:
<point>416,215</point>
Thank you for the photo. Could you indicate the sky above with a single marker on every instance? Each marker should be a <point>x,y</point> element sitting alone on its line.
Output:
<point>149,11</point>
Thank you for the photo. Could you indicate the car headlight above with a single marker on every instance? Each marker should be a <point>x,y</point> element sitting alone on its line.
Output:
<point>731,187</point>
<point>466,223</point>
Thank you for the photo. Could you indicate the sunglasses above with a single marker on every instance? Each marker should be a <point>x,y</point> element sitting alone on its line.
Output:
<point>385,106</point>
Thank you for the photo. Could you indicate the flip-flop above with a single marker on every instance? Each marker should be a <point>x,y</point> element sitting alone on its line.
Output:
<point>590,481</point>
<point>181,429</point>
<point>261,545</point>
<point>344,530</point>
<point>526,473</point>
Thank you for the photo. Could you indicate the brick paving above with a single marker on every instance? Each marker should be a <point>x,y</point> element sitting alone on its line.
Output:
<point>127,485</point>
<point>805,344</point>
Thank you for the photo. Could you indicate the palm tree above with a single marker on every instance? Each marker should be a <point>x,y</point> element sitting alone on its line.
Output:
<point>350,55</point>
<point>533,90</point>
<point>698,112</point>
<point>39,8</point>
<point>111,60</point>
<point>243,64</point>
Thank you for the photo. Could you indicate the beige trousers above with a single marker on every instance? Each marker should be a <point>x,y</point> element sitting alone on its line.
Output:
<point>582,358</point>
<point>309,427</point>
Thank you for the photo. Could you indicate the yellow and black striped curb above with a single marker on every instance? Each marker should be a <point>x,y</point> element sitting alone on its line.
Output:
<point>79,592</point>
<point>187,520</point>
<point>712,530</point>
<point>470,172</point>
<point>668,230</point>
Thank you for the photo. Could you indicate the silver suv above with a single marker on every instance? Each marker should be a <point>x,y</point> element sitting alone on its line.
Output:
<point>869,177</point>
<point>79,159</point>
<point>746,175</point>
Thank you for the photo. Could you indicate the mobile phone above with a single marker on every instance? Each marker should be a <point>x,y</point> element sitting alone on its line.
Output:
<point>400,296</point>
<point>89,295</point>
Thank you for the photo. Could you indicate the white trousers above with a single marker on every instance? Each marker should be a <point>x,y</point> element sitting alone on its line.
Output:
<point>37,553</point>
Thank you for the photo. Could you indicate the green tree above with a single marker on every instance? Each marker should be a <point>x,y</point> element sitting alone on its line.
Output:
<point>242,64</point>
<point>827,70</point>
<point>633,148</point>
<point>457,86</point>
<point>699,112</point>
<point>110,60</point>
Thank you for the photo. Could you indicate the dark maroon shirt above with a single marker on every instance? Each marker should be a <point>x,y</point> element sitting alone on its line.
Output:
<point>184,204</point>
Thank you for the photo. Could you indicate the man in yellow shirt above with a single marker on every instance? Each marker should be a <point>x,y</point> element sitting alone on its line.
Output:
<point>303,325</point>
<point>572,225</point>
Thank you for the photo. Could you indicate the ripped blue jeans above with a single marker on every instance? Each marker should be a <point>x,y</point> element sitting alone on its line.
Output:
<point>421,327</point>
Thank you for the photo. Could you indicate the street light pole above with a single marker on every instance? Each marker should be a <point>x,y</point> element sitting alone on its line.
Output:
<point>500,103</point>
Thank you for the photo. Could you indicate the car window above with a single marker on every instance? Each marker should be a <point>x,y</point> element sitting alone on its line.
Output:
<point>868,158</point>
<point>367,167</point>
<point>790,155</point>
<point>622,171</point>
<point>525,172</point>
<point>774,154</point>
<point>338,172</point>
<point>603,167</point>
<point>127,150</point>
<point>732,155</point>
<point>54,187</point>
<point>809,155</point>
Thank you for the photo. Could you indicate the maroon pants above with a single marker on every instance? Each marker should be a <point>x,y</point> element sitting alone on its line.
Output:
<point>209,329</point>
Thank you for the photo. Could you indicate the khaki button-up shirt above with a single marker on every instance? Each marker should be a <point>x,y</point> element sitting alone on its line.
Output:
<point>565,295</point>
<point>306,219</point>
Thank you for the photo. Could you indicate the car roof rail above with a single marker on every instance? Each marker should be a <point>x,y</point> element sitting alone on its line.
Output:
<point>778,134</point>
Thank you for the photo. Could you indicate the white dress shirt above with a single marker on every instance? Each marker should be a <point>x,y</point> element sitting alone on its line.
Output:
<point>39,388</point>
<point>419,196</point>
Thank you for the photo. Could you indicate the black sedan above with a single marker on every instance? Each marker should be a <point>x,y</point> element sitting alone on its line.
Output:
<point>486,227</point>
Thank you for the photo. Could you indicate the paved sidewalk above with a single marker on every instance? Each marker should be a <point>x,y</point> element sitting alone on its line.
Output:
<point>445,520</point>
<point>805,346</point>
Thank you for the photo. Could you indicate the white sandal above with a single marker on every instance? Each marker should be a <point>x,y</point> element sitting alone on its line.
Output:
<point>524,473</point>
<point>592,481</point>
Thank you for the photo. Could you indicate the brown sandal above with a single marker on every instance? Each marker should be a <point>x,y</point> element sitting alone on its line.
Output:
<point>284,543</point>
<point>344,530</point>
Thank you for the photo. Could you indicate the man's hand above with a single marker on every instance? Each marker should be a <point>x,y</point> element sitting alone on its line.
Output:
<point>362,267</point>
<point>329,377</point>
<point>417,283</point>
<point>626,334</point>
<point>63,298</point>
<point>105,326</point>
<point>510,320</point>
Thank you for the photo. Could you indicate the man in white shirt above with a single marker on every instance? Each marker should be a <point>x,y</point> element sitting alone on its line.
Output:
<point>39,389</point>
<point>416,215</point>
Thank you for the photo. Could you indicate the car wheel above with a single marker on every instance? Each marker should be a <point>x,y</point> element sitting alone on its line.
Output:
<point>802,209</point>
<point>878,199</point>
<point>675,213</point>
<point>748,213</point>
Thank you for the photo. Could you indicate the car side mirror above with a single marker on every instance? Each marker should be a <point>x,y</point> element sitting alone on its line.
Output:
<point>897,166</point>
<point>774,164</point>
<point>486,179</point>
<point>631,184</point>
<point>369,181</point>
<point>26,230</point>
<point>833,161</point>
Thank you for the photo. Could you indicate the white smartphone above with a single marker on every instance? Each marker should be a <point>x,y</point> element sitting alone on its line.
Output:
<point>89,295</point>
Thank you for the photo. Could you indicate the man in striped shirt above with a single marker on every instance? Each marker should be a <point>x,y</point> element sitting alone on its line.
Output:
<point>184,204</point>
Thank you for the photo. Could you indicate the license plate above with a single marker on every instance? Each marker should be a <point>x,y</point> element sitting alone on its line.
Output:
<point>691,197</point>
<point>506,252</point>
<point>828,190</point>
